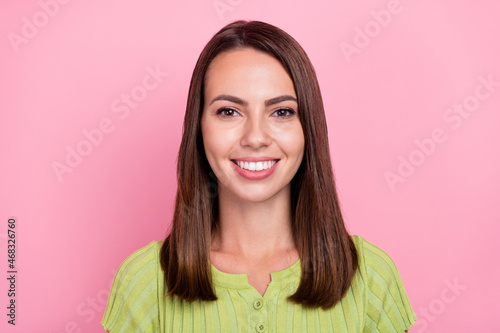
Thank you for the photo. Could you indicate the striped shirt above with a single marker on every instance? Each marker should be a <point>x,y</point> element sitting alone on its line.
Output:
<point>375,302</point>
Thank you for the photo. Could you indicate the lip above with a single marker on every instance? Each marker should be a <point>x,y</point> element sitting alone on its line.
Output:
<point>255,175</point>
<point>256,159</point>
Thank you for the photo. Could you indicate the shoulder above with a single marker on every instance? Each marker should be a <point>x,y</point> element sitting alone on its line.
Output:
<point>373,259</point>
<point>376,266</point>
<point>387,307</point>
<point>142,261</point>
<point>133,298</point>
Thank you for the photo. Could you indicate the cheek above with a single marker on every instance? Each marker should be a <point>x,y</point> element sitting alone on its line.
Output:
<point>299,145</point>
<point>215,143</point>
<point>292,141</point>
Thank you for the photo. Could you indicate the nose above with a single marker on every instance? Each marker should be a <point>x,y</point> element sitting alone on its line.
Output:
<point>256,133</point>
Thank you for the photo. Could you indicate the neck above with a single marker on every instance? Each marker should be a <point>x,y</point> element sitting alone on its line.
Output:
<point>254,230</point>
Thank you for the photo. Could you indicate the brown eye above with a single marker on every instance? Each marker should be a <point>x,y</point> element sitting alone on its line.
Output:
<point>226,112</point>
<point>284,113</point>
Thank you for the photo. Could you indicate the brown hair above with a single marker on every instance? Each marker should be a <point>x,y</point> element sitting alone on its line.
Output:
<point>328,256</point>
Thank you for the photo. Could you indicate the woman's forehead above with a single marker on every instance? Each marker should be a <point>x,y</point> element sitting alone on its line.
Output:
<point>247,70</point>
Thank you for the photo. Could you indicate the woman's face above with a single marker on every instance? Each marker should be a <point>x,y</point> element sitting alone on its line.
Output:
<point>251,130</point>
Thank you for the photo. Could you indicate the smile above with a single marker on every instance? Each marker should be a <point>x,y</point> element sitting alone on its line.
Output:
<point>255,166</point>
<point>255,170</point>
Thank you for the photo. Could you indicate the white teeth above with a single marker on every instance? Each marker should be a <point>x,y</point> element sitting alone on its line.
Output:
<point>256,166</point>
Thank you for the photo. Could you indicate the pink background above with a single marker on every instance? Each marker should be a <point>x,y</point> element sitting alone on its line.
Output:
<point>68,73</point>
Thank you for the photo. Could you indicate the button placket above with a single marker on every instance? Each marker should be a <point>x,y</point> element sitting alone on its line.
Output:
<point>257,304</point>
<point>259,314</point>
<point>261,327</point>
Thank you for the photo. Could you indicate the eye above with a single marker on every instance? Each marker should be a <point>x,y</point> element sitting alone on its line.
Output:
<point>226,112</point>
<point>284,113</point>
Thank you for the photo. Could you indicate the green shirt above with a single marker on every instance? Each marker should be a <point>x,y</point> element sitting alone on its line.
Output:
<point>375,302</point>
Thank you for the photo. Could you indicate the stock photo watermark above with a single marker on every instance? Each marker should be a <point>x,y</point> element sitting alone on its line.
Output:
<point>454,116</point>
<point>448,295</point>
<point>89,309</point>
<point>223,6</point>
<point>12,269</point>
<point>363,36</point>
<point>121,107</point>
<point>30,27</point>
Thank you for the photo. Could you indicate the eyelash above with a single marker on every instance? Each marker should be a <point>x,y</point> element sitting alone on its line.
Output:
<point>222,110</point>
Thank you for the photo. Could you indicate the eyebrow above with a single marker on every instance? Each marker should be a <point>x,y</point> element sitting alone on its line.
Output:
<point>240,101</point>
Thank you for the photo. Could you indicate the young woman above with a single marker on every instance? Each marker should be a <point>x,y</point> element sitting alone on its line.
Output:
<point>258,243</point>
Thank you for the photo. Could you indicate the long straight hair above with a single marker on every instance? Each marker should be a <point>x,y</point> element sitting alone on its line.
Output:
<point>328,256</point>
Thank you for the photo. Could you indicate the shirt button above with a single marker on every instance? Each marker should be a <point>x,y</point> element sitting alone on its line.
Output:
<point>258,304</point>
<point>261,327</point>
